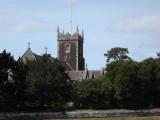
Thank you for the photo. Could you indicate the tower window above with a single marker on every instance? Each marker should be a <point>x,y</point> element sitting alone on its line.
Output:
<point>67,48</point>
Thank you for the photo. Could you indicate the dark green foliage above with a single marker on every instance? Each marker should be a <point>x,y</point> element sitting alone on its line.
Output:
<point>136,84</point>
<point>7,84</point>
<point>12,82</point>
<point>123,75</point>
<point>149,75</point>
<point>97,94</point>
<point>117,53</point>
<point>12,76</point>
<point>44,85</point>
<point>106,93</point>
<point>87,94</point>
<point>19,75</point>
<point>158,54</point>
<point>47,83</point>
<point>126,84</point>
<point>38,84</point>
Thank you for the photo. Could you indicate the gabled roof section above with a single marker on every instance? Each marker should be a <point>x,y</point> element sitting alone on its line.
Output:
<point>29,56</point>
<point>84,75</point>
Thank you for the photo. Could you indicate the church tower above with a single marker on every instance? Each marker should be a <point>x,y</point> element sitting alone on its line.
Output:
<point>70,50</point>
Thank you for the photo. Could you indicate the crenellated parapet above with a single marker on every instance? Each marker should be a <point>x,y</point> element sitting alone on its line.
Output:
<point>68,36</point>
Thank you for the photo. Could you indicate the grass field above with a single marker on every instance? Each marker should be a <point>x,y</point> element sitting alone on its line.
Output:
<point>116,118</point>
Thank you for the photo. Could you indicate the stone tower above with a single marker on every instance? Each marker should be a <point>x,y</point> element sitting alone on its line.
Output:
<point>70,50</point>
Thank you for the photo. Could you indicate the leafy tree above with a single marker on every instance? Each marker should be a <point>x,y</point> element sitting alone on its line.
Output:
<point>158,54</point>
<point>48,84</point>
<point>149,73</point>
<point>117,53</point>
<point>86,94</point>
<point>157,86</point>
<point>123,75</point>
<point>7,86</point>
<point>19,75</point>
<point>106,93</point>
<point>95,93</point>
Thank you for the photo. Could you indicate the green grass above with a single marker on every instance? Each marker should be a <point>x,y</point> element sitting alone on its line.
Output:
<point>116,118</point>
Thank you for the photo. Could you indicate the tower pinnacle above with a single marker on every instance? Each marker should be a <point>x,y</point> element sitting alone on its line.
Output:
<point>46,50</point>
<point>82,33</point>
<point>58,29</point>
<point>77,30</point>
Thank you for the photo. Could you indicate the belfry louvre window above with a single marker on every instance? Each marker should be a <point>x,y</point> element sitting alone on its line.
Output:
<point>67,48</point>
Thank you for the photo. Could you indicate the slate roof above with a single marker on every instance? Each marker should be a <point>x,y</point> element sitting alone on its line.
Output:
<point>84,75</point>
<point>29,55</point>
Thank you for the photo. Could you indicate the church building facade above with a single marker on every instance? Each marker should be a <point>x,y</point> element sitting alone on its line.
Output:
<point>70,53</point>
<point>70,50</point>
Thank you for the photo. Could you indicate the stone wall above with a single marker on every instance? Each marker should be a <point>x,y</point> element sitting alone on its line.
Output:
<point>78,114</point>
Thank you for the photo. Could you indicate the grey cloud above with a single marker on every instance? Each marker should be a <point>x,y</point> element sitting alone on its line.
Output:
<point>13,24</point>
<point>149,23</point>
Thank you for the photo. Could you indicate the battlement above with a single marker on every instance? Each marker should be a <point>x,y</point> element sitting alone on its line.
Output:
<point>68,36</point>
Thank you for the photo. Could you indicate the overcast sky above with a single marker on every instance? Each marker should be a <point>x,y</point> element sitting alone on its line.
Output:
<point>134,24</point>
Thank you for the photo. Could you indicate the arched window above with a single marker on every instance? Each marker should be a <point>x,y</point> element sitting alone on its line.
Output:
<point>67,48</point>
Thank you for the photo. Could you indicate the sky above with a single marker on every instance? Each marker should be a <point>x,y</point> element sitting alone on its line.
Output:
<point>133,24</point>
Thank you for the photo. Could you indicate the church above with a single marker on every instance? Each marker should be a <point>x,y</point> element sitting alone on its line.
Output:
<point>70,53</point>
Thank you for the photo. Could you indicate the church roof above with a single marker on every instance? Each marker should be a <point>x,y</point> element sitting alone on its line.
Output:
<point>84,75</point>
<point>77,75</point>
<point>29,55</point>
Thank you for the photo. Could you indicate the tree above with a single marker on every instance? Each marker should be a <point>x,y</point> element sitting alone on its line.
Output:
<point>150,81</point>
<point>124,77</point>
<point>106,93</point>
<point>117,53</point>
<point>158,54</point>
<point>7,86</point>
<point>86,94</point>
<point>95,94</point>
<point>19,76</point>
<point>48,84</point>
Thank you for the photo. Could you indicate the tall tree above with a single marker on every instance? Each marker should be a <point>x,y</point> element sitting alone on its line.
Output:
<point>7,86</point>
<point>117,53</point>
<point>124,77</point>
<point>158,54</point>
<point>149,74</point>
<point>95,93</point>
<point>19,76</point>
<point>47,83</point>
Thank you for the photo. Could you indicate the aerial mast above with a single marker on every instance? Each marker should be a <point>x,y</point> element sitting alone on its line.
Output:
<point>46,50</point>
<point>71,22</point>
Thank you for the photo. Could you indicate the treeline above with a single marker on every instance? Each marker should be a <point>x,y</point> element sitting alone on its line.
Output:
<point>43,85</point>
<point>126,84</point>
<point>40,85</point>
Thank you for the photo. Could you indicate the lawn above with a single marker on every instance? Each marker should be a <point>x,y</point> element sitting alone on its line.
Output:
<point>117,118</point>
